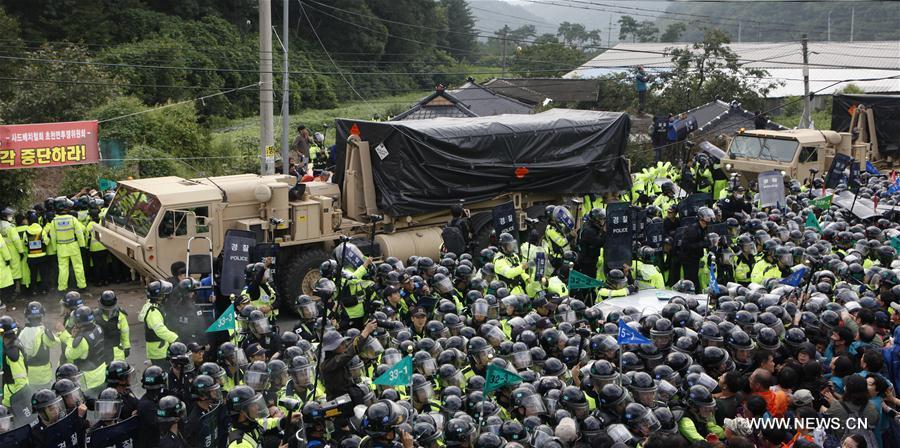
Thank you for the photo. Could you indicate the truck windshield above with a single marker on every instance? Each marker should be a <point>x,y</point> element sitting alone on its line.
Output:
<point>763,148</point>
<point>133,210</point>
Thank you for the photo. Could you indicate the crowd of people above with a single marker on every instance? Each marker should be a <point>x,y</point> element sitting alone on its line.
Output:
<point>42,246</point>
<point>771,326</point>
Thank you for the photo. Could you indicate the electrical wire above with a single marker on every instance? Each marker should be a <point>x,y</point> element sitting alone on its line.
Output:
<point>202,98</point>
<point>715,130</point>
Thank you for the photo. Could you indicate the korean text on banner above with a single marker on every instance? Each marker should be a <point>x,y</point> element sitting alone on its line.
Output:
<point>48,144</point>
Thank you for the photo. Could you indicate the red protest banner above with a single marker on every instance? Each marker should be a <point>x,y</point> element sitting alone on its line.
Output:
<point>48,144</point>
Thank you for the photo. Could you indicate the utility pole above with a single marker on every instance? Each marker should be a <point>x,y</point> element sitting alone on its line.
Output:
<point>609,33</point>
<point>285,90</point>
<point>266,95</point>
<point>852,20</point>
<point>829,26</point>
<point>805,119</point>
<point>740,28</point>
<point>505,29</point>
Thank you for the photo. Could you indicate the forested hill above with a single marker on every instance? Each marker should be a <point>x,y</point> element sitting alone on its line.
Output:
<point>778,21</point>
<point>163,50</point>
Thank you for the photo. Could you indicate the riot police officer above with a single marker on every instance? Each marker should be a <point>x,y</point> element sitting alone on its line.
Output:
<point>510,266</point>
<point>36,341</point>
<point>380,424</point>
<point>15,373</point>
<point>258,290</point>
<point>590,242</point>
<point>114,322</point>
<point>250,418</point>
<point>154,383</point>
<point>119,376</point>
<point>157,335</point>
<point>206,394</point>
<point>168,417</point>
<point>88,349</point>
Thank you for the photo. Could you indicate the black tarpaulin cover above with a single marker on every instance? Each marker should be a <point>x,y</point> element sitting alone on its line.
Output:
<point>886,109</point>
<point>428,165</point>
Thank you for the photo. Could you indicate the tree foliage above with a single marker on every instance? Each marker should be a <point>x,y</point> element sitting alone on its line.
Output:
<point>709,69</point>
<point>673,32</point>
<point>628,26</point>
<point>646,32</point>
<point>54,91</point>
<point>461,32</point>
<point>546,60</point>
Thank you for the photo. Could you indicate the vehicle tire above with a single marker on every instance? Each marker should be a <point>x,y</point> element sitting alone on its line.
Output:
<point>482,236</point>
<point>300,274</point>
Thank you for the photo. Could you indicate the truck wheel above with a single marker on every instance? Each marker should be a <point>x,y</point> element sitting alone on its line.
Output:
<point>483,237</point>
<point>301,273</point>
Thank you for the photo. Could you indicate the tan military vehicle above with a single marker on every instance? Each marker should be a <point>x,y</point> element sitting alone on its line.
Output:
<point>151,222</point>
<point>796,153</point>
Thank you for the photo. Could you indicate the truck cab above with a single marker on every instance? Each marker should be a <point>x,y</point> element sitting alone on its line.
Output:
<point>796,152</point>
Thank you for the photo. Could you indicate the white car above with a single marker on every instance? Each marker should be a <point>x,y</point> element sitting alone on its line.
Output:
<point>648,301</point>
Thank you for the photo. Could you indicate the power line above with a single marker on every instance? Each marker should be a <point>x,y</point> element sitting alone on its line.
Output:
<point>599,47</point>
<point>202,98</point>
<point>723,126</point>
<point>664,12</point>
<point>100,83</point>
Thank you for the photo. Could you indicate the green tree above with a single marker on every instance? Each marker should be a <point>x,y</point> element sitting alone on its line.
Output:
<point>173,129</point>
<point>461,36</point>
<point>673,32</point>
<point>546,60</point>
<point>646,32</point>
<point>56,91</point>
<point>12,45</point>
<point>572,34</point>
<point>628,27</point>
<point>357,34</point>
<point>523,33</point>
<point>595,38</point>
<point>708,70</point>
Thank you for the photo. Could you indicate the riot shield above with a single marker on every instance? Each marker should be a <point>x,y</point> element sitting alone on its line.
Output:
<point>209,431</point>
<point>617,249</point>
<point>66,433</point>
<point>771,189</point>
<point>237,247</point>
<point>120,435</point>
<point>16,437</point>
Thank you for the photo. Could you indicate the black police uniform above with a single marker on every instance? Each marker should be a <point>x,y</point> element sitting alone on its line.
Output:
<point>590,243</point>
<point>692,250</point>
<point>306,330</point>
<point>149,431</point>
<point>731,208</point>
<point>171,440</point>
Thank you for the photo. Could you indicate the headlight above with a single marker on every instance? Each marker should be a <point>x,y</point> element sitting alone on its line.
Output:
<point>783,173</point>
<point>729,166</point>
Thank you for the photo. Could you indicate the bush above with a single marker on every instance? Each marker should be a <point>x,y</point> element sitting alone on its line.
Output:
<point>76,178</point>
<point>174,130</point>
<point>150,162</point>
<point>15,188</point>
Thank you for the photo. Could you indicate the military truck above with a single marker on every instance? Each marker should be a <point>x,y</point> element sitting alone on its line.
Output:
<point>796,153</point>
<point>395,184</point>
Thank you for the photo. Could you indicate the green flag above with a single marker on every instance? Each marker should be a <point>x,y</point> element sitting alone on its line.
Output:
<point>398,375</point>
<point>224,322</point>
<point>497,377</point>
<point>577,280</point>
<point>822,203</point>
<point>107,184</point>
<point>895,243</point>
<point>812,222</point>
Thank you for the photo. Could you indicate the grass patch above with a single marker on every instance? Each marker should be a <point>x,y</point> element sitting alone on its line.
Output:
<point>242,135</point>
